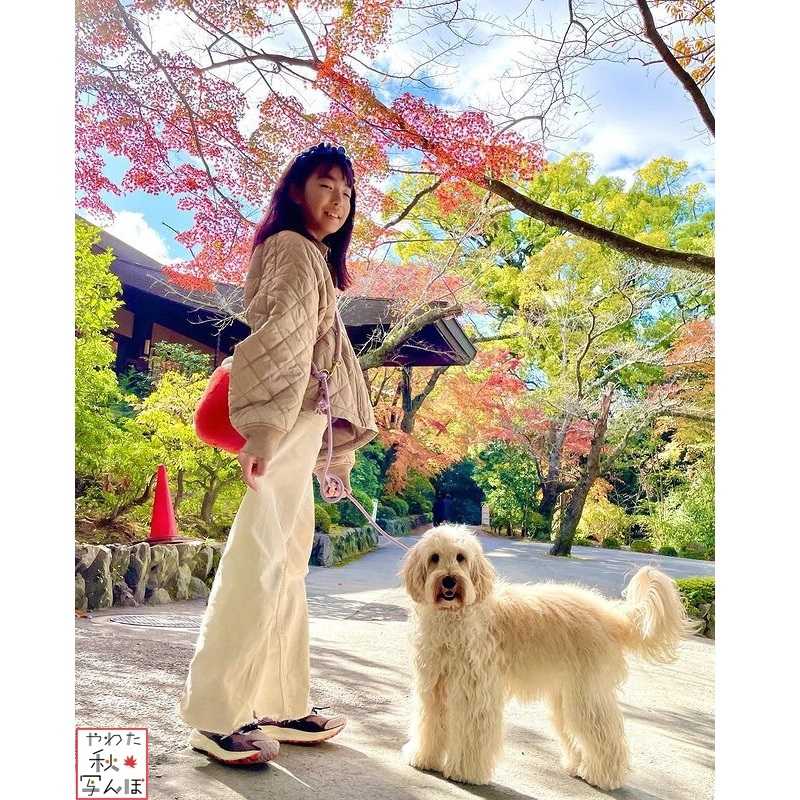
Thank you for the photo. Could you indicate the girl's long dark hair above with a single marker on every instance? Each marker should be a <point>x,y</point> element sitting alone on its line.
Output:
<point>284,214</point>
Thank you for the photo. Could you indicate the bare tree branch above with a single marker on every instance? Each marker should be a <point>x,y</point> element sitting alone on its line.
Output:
<point>683,77</point>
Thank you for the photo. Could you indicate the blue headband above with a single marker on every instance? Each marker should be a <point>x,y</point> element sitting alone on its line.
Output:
<point>324,149</point>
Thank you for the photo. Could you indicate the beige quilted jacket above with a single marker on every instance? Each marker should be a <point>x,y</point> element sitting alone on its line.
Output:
<point>289,304</point>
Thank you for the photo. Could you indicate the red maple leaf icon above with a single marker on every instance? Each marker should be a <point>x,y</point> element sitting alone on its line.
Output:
<point>130,761</point>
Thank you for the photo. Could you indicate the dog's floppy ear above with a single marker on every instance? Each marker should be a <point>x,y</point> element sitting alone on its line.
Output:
<point>412,571</point>
<point>483,575</point>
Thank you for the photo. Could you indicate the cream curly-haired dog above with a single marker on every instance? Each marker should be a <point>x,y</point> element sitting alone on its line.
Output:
<point>478,641</point>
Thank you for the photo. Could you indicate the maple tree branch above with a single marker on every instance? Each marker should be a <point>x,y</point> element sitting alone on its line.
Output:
<point>696,416</point>
<point>304,33</point>
<point>429,386</point>
<point>694,262</point>
<point>414,200</point>
<point>636,359</point>
<point>674,67</point>
<point>271,57</point>
<point>190,113</point>
<point>500,337</point>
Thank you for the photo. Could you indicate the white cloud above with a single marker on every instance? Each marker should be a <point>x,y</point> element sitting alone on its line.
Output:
<point>635,114</point>
<point>132,228</point>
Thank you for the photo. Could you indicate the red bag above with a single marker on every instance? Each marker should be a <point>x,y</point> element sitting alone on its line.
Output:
<point>212,417</point>
<point>212,421</point>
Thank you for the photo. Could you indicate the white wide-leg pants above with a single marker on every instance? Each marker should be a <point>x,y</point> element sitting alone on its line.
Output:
<point>252,657</point>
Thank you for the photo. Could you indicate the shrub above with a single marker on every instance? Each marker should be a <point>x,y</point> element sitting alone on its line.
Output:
<point>641,546</point>
<point>696,592</point>
<point>396,503</point>
<point>687,512</point>
<point>332,509</point>
<point>601,518</point>
<point>667,550</point>
<point>386,512</point>
<point>350,516</point>
<point>418,493</point>
<point>693,550</point>
<point>537,526</point>
<point>322,521</point>
<point>581,542</point>
<point>611,543</point>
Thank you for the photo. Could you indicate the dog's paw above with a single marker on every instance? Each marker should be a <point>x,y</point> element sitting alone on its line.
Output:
<point>571,764</point>
<point>420,759</point>
<point>602,779</point>
<point>460,774</point>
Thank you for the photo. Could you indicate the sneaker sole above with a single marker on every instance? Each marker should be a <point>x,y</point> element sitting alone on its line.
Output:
<point>244,758</point>
<point>284,736</point>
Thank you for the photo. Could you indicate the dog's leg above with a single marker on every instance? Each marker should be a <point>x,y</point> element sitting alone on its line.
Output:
<point>428,744</point>
<point>572,756</point>
<point>476,719</point>
<point>594,720</point>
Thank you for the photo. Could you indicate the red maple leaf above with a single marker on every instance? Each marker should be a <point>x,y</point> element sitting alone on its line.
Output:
<point>130,761</point>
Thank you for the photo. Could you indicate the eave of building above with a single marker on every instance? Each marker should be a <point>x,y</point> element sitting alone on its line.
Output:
<point>218,313</point>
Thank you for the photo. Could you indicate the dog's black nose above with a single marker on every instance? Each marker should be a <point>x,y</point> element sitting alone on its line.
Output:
<point>449,582</point>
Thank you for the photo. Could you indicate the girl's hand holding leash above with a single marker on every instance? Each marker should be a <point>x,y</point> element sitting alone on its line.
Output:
<point>252,467</point>
<point>333,489</point>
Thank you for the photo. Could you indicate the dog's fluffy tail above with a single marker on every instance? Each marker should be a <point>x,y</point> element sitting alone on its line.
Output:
<point>658,621</point>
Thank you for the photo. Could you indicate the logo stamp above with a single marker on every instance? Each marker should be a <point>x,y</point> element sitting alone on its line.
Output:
<point>111,762</point>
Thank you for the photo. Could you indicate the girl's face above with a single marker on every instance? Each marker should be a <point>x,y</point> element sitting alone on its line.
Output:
<point>324,201</point>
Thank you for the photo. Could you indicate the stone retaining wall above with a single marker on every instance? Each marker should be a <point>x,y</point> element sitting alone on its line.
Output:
<point>152,574</point>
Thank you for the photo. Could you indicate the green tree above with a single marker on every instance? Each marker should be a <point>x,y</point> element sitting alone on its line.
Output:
<point>507,475</point>
<point>685,512</point>
<point>458,481</point>
<point>114,464</point>
<point>593,327</point>
<point>165,417</point>
<point>419,493</point>
<point>97,292</point>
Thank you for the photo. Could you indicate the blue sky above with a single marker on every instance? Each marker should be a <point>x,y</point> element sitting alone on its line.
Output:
<point>638,114</point>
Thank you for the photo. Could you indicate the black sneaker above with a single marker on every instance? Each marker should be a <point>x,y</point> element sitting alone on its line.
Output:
<point>313,728</point>
<point>247,745</point>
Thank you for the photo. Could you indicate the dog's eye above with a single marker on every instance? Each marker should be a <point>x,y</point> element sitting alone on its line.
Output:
<point>435,558</point>
<point>460,557</point>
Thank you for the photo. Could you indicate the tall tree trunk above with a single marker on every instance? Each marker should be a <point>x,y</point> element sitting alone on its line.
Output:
<point>547,505</point>
<point>572,514</point>
<point>180,491</point>
<point>552,484</point>
<point>412,404</point>
<point>209,499</point>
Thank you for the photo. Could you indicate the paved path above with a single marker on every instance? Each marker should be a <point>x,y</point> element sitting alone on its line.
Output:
<point>132,676</point>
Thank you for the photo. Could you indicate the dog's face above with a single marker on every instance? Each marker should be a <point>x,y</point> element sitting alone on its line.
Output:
<point>447,569</point>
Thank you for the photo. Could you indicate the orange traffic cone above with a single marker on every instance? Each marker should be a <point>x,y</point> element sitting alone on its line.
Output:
<point>163,527</point>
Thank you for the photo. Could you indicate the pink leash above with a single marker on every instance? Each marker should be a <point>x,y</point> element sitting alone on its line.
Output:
<point>324,407</point>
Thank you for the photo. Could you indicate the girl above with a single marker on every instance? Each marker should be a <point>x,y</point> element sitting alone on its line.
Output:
<point>248,683</point>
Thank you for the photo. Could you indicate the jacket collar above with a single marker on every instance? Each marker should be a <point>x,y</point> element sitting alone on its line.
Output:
<point>323,248</point>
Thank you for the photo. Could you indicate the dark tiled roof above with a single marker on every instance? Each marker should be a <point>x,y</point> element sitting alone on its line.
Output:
<point>139,271</point>
<point>441,342</point>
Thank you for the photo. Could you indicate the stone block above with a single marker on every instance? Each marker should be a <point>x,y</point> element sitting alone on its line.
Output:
<point>80,593</point>
<point>123,596</point>
<point>197,588</point>
<point>158,597</point>
<point>138,570</point>
<point>99,592</point>
<point>163,566</point>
